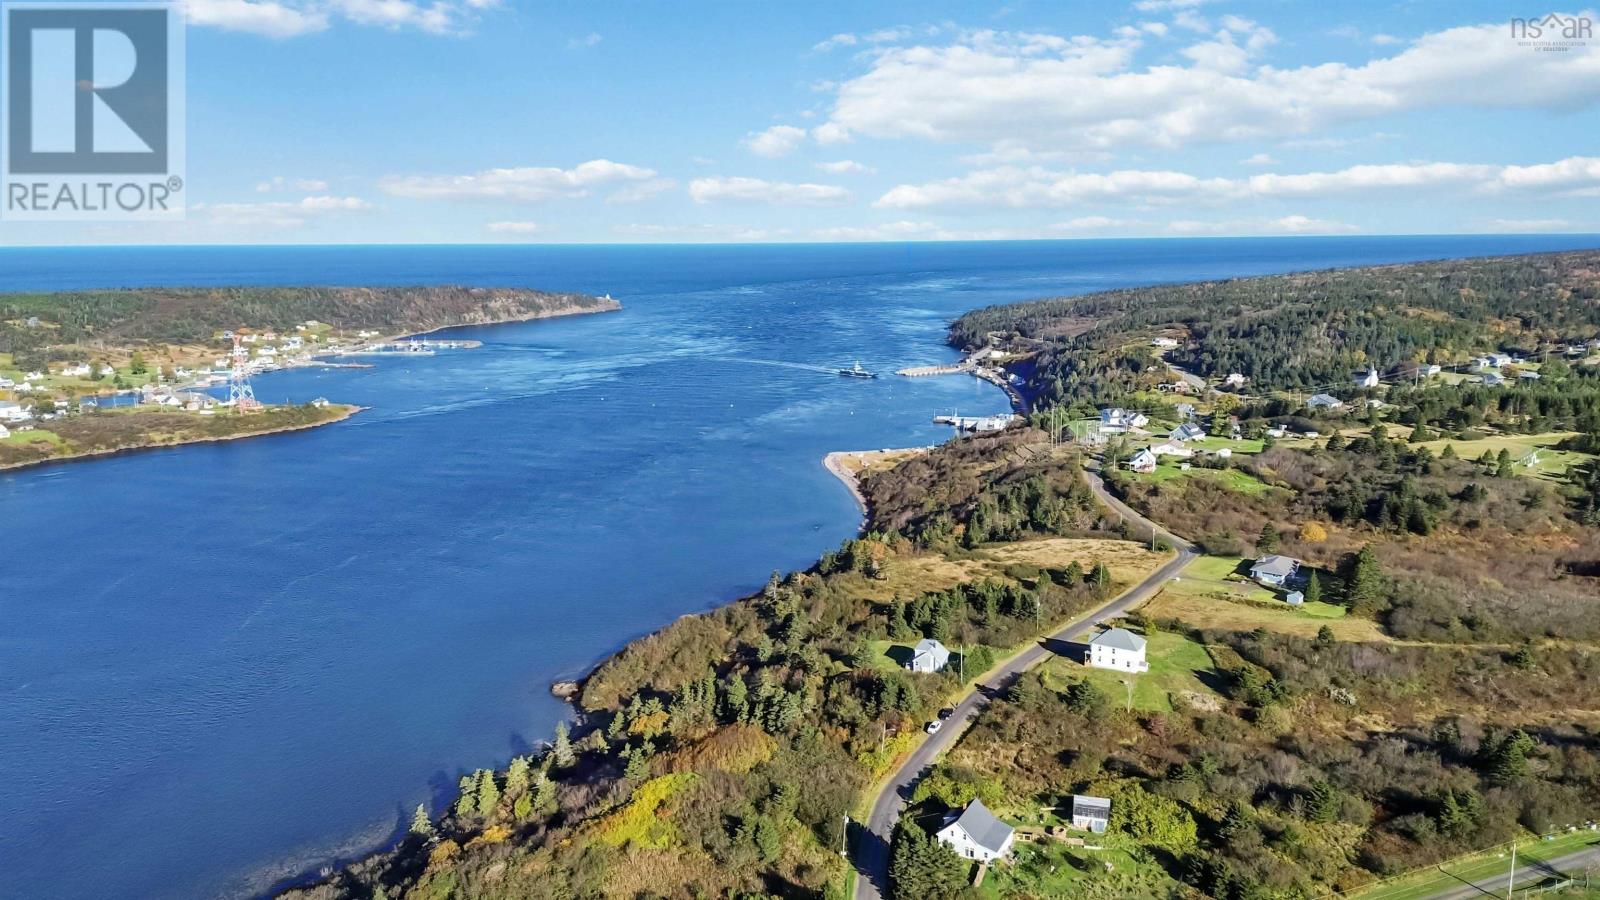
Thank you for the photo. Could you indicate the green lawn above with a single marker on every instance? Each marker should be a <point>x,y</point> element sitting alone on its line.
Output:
<point>1052,869</point>
<point>1246,447</point>
<point>1233,479</point>
<point>1176,666</point>
<point>1217,577</point>
<point>1551,464</point>
<point>1476,867</point>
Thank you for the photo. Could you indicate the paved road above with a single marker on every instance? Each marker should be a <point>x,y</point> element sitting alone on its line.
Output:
<point>872,846</point>
<point>1528,875</point>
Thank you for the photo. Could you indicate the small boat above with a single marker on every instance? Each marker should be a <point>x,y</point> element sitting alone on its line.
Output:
<point>857,372</point>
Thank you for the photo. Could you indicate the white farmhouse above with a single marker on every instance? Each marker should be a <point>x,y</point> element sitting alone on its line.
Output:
<point>928,656</point>
<point>1117,648</point>
<point>1369,380</point>
<point>1171,448</point>
<point>976,834</point>
<point>1143,462</point>
<point>1118,420</point>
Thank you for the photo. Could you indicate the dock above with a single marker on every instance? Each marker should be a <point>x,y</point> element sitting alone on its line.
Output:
<point>964,366</point>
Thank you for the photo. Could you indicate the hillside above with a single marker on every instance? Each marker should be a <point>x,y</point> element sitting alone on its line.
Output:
<point>1306,330</point>
<point>42,327</point>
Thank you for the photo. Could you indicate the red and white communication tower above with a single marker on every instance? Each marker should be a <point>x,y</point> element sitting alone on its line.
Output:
<point>241,396</point>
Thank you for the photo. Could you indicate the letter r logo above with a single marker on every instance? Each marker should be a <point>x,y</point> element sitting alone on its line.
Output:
<point>86,90</point>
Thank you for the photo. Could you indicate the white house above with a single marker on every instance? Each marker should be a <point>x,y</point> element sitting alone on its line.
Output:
<point>1492,379</point>
<point>1185,409</point>
<point>1188,431</point>
<point>1528,374</point>
<point>976,834</point>
<point>1274,569</point>
<point>1117,648</point>
<point>1431,370</point>
<point>1234,379</point>
<point>13,412</point>
<point>77,370</point>
<point>1277,432</point>
<point>1369,380</point>
<point>1164,343</point>
<point>1091,813</point>
<point>928,656</point>
<point>1324,401</point>
<point>1143,462</point>
<point>1224,452</point>
<point>1118,420</point>
<point>1171,448</point>
<point>4,432</point>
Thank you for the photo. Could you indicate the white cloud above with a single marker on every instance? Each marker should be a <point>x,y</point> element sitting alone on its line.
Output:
<point>264,17</point>
<point>289,18</point>
<point>278,214</point>
<point>702,232</point>
<point>1529,225</point>
<point>1017,187</point>
<point>512,227</point>
<point>643,190</point>
<point>1259,159</point>
<point>755,190</point>
<point>845,167</point>
<point>1090,223</point>
<point>889,231</point>
<point>280,183</point>
<point>843,39</point>
<point>589,40</point>
<point>1295,224</point>
<point>1167,5</point>
<point>831,133</point>
<point>1049,92</point>
<point>527,184</point>
<point>1386,40</point>
<point>1306,225</point>
<point>779,140</point>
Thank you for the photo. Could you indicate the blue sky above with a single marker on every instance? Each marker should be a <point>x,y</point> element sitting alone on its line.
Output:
<point>313,121</point>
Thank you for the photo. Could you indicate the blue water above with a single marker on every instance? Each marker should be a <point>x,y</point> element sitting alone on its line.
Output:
<point>223,666</point>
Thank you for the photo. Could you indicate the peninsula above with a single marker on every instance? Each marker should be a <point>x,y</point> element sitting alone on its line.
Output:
<point>89,373</point>
<point>1294,653</point>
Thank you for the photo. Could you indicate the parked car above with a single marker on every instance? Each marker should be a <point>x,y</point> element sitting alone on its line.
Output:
<point>947,712</point>
<point>934,726</point>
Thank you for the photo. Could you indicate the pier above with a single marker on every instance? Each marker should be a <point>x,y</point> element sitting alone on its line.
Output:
<point>964,366</point>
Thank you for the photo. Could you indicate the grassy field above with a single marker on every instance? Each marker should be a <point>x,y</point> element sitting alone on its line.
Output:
<point>1208,593</point>
<point>1477,867</point>
<point>1233,479</point>
<point>1178,666</point>
<point>1551,464</point>
<point>1052,869</point>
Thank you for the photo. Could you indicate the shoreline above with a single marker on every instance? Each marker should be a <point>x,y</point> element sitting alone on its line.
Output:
<point>346,412</point>
<point>836,464</point>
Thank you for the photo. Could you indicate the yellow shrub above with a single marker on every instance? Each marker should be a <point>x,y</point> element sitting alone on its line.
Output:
<point>1313,533</point>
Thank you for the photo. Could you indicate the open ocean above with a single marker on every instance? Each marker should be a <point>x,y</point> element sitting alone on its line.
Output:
<point>225,666</point>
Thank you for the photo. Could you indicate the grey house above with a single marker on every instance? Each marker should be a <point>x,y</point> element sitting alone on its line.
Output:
<point>977,834</point>
<point>928,656</point>
<point>1274,570</point>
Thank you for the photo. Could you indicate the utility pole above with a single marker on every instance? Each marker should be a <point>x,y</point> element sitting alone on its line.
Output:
<point>1511,876</point>
<point>844,838</point>
<point>1129,685</point>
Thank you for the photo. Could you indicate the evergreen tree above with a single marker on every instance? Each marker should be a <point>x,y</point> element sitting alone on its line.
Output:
<point>1314,588</point>
<point>1508,758</point>
<point>488,793</point>
<point>517,776</point>
<point>1268,541</point>
<point>561,751</point>
<point>1325,637</point>
<point>921,867</point>
<point>1502,464</point>
<point>1363,583</point>
<point>1100,578</point>
<point>421,824</point>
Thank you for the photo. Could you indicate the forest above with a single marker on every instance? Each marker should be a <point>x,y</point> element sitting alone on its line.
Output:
<point>1305,331</point>
<point>40,328</point>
